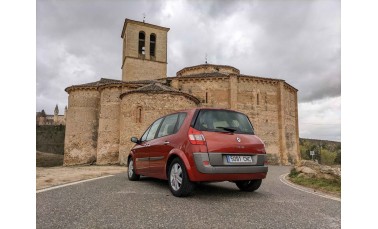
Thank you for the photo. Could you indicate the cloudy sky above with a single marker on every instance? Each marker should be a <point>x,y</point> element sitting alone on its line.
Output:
<point>298,41</point>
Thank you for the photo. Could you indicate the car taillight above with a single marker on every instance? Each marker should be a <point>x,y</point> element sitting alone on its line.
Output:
<point>196,137</point>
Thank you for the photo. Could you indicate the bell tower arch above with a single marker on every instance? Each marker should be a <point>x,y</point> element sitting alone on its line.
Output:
<point>144,55</point>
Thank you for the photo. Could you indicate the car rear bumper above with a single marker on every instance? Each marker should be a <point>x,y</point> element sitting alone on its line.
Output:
<point>216,164</point>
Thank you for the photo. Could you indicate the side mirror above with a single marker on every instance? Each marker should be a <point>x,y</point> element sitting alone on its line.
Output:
<point>135,140</point>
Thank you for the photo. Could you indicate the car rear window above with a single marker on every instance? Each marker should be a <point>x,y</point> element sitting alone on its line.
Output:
<point>223,121</point>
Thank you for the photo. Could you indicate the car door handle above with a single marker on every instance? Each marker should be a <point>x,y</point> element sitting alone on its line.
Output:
<point>166,142</point>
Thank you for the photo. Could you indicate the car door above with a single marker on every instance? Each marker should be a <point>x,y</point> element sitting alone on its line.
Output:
<point>165,141</point>
<point>142,153</point>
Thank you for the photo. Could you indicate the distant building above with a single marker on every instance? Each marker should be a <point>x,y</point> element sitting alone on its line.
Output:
<point>55,119</point>
<point>103,115</point>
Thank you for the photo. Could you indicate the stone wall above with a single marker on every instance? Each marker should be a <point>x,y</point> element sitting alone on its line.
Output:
<point>80,145</point>
<point>108,129</point>
<point>138,69</point>
<point>291,125</point>
<point>216,89</point>
<point>50,139</point>
<point>150,106</point>
<point>258,100</point>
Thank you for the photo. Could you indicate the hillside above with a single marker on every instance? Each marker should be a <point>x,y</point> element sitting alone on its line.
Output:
<point>326,152</point>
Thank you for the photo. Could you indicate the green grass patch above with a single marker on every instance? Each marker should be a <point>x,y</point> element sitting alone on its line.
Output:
<point>332,186</point>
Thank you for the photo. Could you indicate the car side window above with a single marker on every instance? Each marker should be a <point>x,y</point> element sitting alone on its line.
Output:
<point>180,120</point>
<point>144,137</point>
<point>168,125</point>
<point>153,129</point>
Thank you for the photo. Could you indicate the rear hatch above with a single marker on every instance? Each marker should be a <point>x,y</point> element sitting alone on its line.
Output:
<point>229,136</point>
<point>233,143</point>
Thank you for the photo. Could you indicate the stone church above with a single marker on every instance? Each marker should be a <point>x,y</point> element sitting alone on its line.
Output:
<point>102,116</point>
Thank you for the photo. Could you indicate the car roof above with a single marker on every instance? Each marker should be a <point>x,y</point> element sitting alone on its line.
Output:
<point>205,108</point>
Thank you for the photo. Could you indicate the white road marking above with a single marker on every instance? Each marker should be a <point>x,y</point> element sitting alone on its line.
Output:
<point>73,183</point>
<point>308,190</point>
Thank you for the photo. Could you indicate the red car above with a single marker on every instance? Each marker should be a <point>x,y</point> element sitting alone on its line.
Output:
<point>200,145</point>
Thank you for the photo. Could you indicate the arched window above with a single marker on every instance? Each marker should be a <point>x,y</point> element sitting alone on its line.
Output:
<point>258,99</point>
<point>139,114</point>
<point>142,38</point>
<point>152,45</point>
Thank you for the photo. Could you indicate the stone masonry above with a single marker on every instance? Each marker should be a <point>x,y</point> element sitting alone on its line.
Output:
<point>139,66</point>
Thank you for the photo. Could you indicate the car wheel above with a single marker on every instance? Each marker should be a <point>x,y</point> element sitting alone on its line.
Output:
<point>131,171</point>
<point>178,179</point>
<point>249,185</point>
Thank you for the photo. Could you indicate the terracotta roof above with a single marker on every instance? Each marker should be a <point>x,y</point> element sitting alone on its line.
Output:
<point>259,77</point>
<point>141,82</point>
<point>265,78</point>
<point>212,74</point>
<point>179,73</point>
<point>159,88</point>
<point>105,81</point>
<point>156,87</point>
<point>95,84</point>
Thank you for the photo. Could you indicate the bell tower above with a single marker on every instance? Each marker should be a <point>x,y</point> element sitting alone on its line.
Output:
<point>144,55</point>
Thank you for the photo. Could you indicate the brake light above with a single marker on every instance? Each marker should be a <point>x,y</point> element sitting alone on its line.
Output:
<point>196,137</point>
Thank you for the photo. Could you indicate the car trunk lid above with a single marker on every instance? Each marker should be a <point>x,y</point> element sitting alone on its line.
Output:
<point>233,143</point>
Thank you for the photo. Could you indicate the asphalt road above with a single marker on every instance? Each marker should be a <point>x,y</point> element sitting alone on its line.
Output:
<point>116,202</point>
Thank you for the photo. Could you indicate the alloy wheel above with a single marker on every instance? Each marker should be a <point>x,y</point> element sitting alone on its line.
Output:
<point>131,168</point>
<point>176,177</point>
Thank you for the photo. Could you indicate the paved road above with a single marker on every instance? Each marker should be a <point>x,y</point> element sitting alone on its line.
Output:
<point>115,202</point>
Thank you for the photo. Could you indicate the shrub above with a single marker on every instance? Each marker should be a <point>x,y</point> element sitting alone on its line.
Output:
<point>327,157</point>
<point>293,173</point>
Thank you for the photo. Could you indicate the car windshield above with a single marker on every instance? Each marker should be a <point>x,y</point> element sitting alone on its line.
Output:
<point>223,121</point>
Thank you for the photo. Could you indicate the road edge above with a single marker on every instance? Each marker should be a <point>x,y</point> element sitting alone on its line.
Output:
<point>284,180</point>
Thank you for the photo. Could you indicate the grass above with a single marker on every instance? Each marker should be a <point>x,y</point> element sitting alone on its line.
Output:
<point>330,186</point>
<point>48,159</point>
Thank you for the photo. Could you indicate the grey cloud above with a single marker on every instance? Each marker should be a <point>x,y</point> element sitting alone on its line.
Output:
<point>216,9</point>
<point>298,41</point>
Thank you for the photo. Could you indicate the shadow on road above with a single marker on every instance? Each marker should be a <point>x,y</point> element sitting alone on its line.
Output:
<point>206,189</point>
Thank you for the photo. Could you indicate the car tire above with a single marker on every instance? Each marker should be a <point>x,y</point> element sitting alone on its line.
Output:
<point>131,171</point>
<point>177,173</point>
<point>249,185</point>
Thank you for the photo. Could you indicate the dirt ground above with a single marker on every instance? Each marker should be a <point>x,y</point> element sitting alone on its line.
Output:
<point>51,172</point>
<point>52,176</point>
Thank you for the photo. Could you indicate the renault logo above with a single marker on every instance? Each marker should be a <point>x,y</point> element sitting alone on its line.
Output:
<point>238,139</point>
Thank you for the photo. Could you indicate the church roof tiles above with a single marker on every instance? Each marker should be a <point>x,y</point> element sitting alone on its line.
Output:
<point>105,81</point>
<point>159,88</point>
<point>200,75</point>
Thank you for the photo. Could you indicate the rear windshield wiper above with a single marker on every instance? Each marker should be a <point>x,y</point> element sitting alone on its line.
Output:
<point>226,129</point>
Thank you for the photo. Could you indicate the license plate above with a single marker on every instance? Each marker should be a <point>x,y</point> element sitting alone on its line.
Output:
<point>239,159</point>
